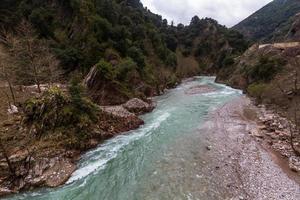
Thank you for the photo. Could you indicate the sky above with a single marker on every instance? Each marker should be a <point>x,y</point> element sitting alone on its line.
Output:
<point>226,12</point>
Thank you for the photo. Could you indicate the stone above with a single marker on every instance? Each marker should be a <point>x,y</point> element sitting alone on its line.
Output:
<point>138,106</point>
<point>272,135</point>
<point>12,110</point>
<point>208,148</point>
<point>59,173</point>
<point>256,133</point>
<point>262,127</point>
<point>118,111</point>
<point>5,191</point>
<point>294,163</point>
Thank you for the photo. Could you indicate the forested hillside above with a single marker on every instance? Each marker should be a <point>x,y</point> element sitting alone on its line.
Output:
<point>132,47</point>
<point>270,23</point>
<point>74,73</point>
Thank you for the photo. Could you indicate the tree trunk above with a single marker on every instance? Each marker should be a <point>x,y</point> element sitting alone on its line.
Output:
<point>6,157</point>
<point>11,90</point>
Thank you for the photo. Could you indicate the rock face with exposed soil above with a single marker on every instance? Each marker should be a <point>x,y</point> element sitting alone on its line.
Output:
<point>32,171</point>
<point>102,91</point>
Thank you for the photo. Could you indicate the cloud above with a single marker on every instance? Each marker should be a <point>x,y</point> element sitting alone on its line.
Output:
<point>227,12</point>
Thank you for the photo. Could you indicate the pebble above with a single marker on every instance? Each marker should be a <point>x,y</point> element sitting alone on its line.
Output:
<point>208,148</point>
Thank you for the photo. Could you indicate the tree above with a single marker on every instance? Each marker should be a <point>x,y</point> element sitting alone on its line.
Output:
<point>6,74</point>
<point>3,150</point>
<point>32,57</point>
<point>137,55</point>
<point>134,3</point>
<point>195,21</point>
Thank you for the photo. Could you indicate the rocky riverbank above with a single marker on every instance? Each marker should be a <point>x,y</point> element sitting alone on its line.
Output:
<point>274,132</point>
<point>48,164</point>
<point>241,166</point>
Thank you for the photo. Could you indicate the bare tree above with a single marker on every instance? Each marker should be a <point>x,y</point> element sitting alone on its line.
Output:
<point>6,157</point>
<point>32,58</point>
<point>6,75</point>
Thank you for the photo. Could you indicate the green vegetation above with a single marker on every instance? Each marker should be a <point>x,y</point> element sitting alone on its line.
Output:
<point>56,112</point>
<point>80,33</point>
<point>271,21</point>
<point>134,50</point>
<point>213,45</point>
<point>265,69</point>
<point>257,90</point>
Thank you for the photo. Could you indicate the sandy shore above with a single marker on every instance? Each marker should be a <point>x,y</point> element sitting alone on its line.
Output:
<point>239,162</point>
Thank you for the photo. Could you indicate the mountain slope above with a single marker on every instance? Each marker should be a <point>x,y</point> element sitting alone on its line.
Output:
<point>270,22</point>
<point>135,47</point>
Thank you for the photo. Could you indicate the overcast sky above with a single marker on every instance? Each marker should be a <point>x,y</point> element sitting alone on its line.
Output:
<point>226,12</point>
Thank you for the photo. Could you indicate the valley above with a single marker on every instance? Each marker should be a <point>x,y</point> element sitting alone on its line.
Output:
<point>104,99</point>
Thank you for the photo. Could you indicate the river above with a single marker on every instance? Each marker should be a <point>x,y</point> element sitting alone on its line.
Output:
<point>156,161</point>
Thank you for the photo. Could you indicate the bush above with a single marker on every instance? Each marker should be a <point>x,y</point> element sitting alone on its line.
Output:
<point>266,69</point>
<point>171,60</point>
<point>105,70</point>
<point>124,68</point>
<point>70,57</point>
<point>137,55</point>
<point>71,114</point>
<point>257,90</point>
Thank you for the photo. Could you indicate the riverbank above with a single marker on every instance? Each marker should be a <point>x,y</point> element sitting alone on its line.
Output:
<point>240,162</point>
<point>170,157</point>
<point>28,162</point>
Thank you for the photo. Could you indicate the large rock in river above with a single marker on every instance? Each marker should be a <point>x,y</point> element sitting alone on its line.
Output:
<point>116,119</point>
<point>138,106</point>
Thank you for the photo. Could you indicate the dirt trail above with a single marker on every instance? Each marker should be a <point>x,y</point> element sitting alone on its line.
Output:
<point>248,170</point>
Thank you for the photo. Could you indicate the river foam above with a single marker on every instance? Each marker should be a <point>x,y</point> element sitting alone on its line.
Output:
<point>95,160</point>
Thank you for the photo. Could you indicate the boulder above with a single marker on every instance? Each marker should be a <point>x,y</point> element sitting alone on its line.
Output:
<point>294,163</point>
<point>256,133</point>
<point>5,191</point>
<point>117,119</point>
<point>138,106</point>
<point>118,111</point>
<point>59,173</point>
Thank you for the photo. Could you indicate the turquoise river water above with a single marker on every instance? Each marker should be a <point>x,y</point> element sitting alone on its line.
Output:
<point>152,162</point>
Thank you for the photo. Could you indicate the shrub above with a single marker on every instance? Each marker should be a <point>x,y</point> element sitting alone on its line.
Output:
<point>105,70</point>
<point>257,90</point>
<point>124,68</point>
<point>172,81</point>
<point>53,110</point>
<point>137,55</point>
<point>266,69</point>
<point>171,60</point>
